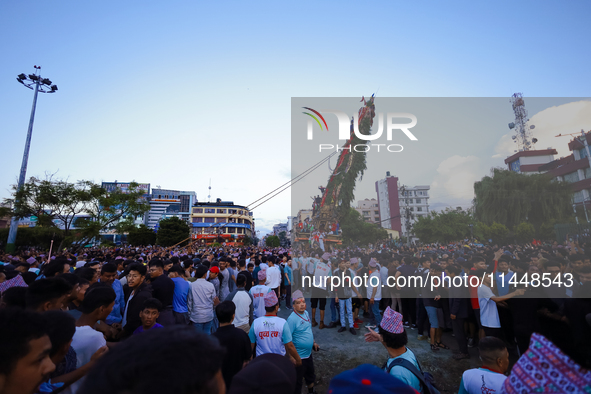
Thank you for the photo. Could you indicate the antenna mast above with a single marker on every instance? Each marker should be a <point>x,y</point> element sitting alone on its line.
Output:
<point>209,195</point>
<point>522,136</point>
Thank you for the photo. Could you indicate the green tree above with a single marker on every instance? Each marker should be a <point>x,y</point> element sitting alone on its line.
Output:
<point>246,240</point>
<point>510,198</point>
<point>272,241</point>
<point>106,209</point>
<point>524,232</point>
<point>141,236</point>
<point>51,201</point>
<point>447,226</point>
<point>498,233</point>
<point>171,231</point>
<point>38,236</point>
<point>358,232</point>
<point>59,201</point>
<point>481,232</point>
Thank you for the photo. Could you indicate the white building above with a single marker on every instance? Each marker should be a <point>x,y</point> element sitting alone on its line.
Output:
<point>414,203</point>
<point>369,210</point>
<point>399,206</point>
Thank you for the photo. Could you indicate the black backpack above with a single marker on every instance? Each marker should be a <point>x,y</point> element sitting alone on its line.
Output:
<point>427,380</point>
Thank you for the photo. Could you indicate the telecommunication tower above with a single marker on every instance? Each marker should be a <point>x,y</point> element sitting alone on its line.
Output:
<point>522,136</point>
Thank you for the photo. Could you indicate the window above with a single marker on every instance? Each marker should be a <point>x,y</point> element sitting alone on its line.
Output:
<point>185,203</point>
<point>572,177</point>
<point>587,173</point>
<point>412,209</point>
<point>209,210</point>
<point>515,166</point>
<point>240,230</point>
<point>220,220</point>
<point>197,220</point>
<point>232,211</point>
<point>197,210</point>
<point>221,211</point>
<point>578,196</point>
<point>418,200</point>
<point>240,212</point>
<point>583,153</point>
<point>365,213</point>
<point>419,209</point>
<point>231,230</point>
<point>376,212</point>
<point>209,220</point>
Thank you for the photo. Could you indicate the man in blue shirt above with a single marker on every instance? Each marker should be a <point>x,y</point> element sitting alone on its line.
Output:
<point>393,337</point>
<point>287,281</point>
<point>108,276</point>
<point>181,294</point>
<point>302,337</point>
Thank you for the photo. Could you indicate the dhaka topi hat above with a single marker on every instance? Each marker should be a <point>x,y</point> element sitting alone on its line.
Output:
<point>271,299</point>
<point>297,295</point>
<point>262,275</point>
<point>392,321</point>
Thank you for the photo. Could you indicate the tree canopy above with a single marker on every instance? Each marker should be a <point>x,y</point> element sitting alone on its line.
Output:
<point>272,241</point>
<point>171,231</point>
<point>141,236</point>
<point>444,227</point>
<point>358,232</point>
<point>83,209</point>
<point>510,198</point>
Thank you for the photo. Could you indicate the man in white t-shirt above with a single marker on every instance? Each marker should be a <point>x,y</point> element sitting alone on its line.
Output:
<point>490,377</point>
<point>273,276</point>
<point>374,291</point>
<point>258,293</point>
<point>244,305</point>
<point>487,300</point>
<point>98,303</point>
<point>271,334</point>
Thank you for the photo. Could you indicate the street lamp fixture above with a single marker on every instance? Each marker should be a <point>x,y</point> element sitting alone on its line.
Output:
<point>38,84</point>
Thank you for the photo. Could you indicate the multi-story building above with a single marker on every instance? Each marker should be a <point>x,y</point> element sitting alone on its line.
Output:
<point>400,206</point>
<point>574,169</point>
<point>166,203</point>
<point>279,227</point>
<point>388,203</point>
<point>369,210</point>
<point>530,161</point>
<point>414,203</point>
<point>221,220</point>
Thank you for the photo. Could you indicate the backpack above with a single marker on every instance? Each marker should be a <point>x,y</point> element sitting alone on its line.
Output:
<point>427,380</point>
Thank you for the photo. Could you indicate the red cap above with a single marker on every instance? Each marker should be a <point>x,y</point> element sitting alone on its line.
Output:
<point>215,270</point>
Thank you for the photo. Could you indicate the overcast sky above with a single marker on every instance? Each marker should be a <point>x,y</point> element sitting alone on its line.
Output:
<point>178,93</point>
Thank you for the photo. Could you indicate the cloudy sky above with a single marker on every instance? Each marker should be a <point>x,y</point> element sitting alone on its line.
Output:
<point>177,93</point>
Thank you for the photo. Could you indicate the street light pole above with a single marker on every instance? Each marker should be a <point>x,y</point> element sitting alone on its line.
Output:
<point>38,84</point>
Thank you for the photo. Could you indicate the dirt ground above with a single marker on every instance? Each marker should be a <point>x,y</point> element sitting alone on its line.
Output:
<point>342,351</point>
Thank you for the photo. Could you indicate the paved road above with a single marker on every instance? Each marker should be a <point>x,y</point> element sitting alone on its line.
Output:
<point>343,351</point>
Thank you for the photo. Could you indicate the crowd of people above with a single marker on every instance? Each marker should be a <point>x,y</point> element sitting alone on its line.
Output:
<point>204,320</point>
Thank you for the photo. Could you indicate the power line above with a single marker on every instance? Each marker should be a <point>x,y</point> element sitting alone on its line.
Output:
<point>302,175</point>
